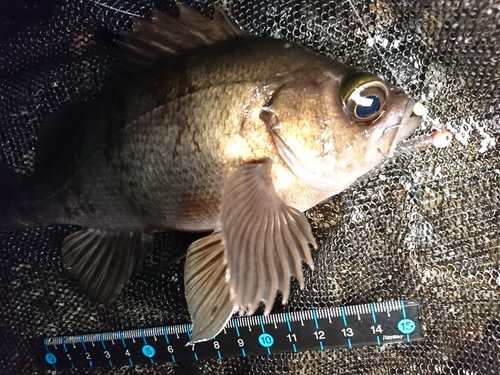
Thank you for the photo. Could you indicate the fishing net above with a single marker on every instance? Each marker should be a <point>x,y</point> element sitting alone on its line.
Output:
<point>424,225</point>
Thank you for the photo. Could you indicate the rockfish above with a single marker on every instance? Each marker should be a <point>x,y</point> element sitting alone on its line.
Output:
<point>208,129</point>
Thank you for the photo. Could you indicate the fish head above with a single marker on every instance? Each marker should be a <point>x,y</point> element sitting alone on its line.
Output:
<point>336,125</point>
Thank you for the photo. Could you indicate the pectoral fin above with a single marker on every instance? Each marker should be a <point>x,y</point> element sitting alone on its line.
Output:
<point>207,292</point>
<point>102,262</point>
<point>265,239</point>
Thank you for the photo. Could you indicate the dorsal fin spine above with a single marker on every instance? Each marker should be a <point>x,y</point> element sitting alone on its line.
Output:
<point>167,36</point>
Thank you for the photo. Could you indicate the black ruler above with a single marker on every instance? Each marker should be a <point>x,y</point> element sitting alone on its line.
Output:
<point>316,329</point>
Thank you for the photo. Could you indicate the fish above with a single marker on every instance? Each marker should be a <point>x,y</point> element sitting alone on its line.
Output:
<point>206,128</point>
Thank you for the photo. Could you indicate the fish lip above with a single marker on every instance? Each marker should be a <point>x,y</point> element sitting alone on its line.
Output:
<point>399,132</point>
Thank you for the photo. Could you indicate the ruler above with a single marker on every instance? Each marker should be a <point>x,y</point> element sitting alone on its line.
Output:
<point>316,329</point>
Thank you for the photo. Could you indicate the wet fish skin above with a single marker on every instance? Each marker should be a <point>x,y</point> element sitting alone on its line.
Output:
<point>260,117</point>
<point>189,142</point>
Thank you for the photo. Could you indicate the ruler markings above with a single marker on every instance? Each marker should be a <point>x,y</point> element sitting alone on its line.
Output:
<point>50,358</point>
<point>87,355</point>
<point>375,323</point>
<point>324,313</point>
<point>248,325</point>
<point>265,339</point>
<point>236,326</point>
<point>329,316</point>
<point>240,341</point>
<point>279,318</point>
<point>147,349</point>
<point>367,309</point>
<point>188,331</point>
<point>275,324</point>
<point>374,319</point>
<point>67,354</point>
<point>106,352</point>
<point>318,334</point>
<point>291,337</point>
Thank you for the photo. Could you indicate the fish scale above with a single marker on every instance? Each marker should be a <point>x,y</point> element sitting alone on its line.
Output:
<point>210,129</point>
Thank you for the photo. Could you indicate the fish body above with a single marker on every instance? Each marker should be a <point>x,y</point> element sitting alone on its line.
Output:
<point>166,164</point>
<point>236,135</point>
<point>179,139</point>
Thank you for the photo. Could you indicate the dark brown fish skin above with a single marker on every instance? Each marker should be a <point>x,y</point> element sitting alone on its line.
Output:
<point>238,135</point>
<point>162,162</point>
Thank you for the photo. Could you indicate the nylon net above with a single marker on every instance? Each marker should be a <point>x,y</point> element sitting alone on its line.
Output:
<point>424,225</point>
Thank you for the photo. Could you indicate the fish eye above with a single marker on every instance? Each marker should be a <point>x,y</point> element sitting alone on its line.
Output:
<point>367,107</point>
<point>364,97</point>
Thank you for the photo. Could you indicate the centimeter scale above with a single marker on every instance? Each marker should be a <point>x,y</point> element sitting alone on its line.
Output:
<point>316,329</point>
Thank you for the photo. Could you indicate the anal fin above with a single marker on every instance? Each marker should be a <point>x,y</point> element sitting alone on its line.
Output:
<point>207,292</point>
<point>102,262</point>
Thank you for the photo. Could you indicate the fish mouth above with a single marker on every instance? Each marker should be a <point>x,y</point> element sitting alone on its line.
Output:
<point>394,134</point>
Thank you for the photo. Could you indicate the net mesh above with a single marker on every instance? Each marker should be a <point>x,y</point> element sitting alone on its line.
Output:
<point>425,225</point>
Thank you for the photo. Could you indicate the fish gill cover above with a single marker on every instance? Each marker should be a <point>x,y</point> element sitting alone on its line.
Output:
<point>424,225</point>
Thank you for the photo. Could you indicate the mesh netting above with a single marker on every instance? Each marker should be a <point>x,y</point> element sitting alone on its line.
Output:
<point>425,225</point>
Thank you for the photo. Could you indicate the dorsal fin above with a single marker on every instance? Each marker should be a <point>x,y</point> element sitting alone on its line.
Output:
<point>167,36</point>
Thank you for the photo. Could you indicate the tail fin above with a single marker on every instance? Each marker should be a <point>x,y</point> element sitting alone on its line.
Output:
<point>11,187</point>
